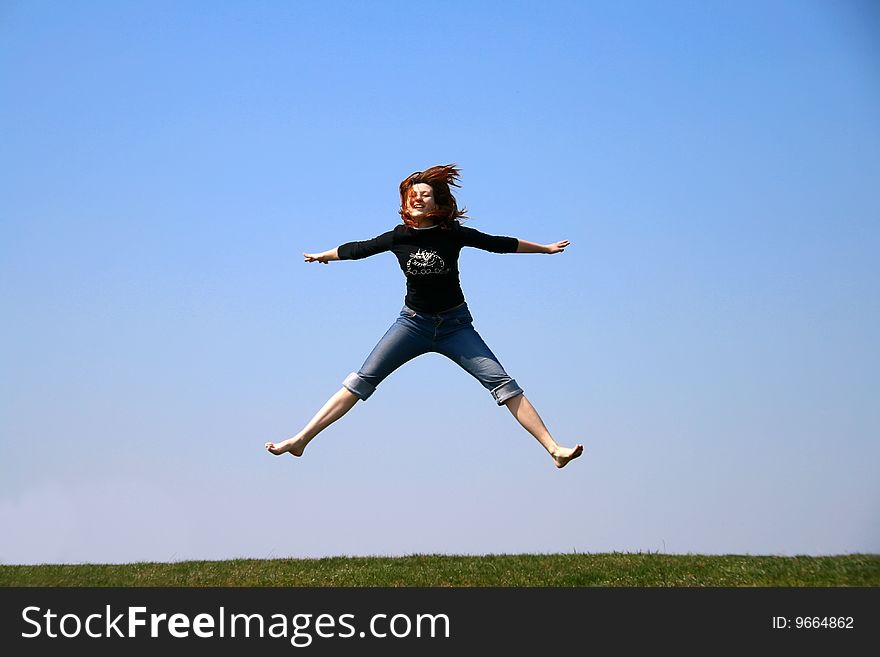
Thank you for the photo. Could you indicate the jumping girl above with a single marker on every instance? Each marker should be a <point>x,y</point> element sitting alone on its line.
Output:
<point>435,316</point>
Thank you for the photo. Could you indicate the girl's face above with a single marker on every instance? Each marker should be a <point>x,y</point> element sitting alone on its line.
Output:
<point>421,200</point>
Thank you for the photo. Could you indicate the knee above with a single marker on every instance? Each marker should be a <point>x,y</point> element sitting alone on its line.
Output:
<point>506,391</point>
<point>358,386</point>
<point>347,396</point>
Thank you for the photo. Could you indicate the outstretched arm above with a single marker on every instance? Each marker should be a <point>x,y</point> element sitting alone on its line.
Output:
<point>324,257</point>
<point>531,247</point>
<point>354,250</point>
<point>500,244</point>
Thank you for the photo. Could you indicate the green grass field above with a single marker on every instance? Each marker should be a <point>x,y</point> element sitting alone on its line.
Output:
<point>614,569</point>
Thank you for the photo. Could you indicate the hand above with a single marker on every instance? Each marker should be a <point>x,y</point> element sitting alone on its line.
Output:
<point>557,247</point>
<point>316,257</point>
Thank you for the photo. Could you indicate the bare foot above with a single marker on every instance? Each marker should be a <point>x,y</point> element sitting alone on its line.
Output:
<point>292,445</point>
<point>566,454</point>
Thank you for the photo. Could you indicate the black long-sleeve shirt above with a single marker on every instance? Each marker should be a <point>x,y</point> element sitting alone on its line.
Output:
<point>429,259</point>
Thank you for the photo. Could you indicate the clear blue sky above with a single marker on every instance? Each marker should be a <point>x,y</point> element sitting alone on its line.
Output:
<point>711,335</point>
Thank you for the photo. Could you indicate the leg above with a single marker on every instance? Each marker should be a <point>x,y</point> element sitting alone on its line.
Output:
<point>465,346</point>
<point>400,343</point>
<point>528,417</point>
<point>337,406</point>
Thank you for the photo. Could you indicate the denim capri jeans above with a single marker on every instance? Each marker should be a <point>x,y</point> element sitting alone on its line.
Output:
<point>450,333</point>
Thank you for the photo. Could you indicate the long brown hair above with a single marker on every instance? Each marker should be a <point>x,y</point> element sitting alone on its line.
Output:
<point>440,178</point>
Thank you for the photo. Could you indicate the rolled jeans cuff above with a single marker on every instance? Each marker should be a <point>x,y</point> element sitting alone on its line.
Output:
<point>357,386</point>
<point>506,391</point>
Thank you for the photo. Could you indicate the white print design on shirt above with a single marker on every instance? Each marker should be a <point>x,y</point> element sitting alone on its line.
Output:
<point>426,262</point>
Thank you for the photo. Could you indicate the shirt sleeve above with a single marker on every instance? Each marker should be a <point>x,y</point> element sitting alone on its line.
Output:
<point>358,250</point>
<point>493,243</point>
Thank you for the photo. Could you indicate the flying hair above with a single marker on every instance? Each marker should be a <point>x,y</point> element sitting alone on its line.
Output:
<point>440,178</point>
